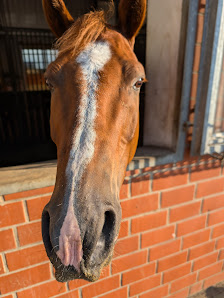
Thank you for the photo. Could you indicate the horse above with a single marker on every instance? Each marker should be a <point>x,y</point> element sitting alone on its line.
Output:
<point>94,82</point>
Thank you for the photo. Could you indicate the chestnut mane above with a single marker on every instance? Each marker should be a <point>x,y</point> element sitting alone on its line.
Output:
<point>84,30</point>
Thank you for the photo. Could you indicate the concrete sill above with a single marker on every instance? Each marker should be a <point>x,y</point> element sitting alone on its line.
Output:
<point>26,177</point>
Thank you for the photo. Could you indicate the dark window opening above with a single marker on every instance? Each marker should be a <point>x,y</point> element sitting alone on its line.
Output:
<point>25,52</point>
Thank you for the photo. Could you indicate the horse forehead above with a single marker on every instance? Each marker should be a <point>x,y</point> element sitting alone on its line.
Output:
<point>95,56</point>
<point>119,45</point>
<point>98,53</point>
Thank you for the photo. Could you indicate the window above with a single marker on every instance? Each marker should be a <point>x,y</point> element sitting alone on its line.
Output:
<point>208,135</point>
<point>36,62</point>
<point>171,31</point>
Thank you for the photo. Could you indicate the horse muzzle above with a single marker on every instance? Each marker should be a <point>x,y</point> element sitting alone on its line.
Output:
<point>80,251</point>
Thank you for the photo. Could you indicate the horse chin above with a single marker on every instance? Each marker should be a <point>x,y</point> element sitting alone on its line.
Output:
<point>64,274</point>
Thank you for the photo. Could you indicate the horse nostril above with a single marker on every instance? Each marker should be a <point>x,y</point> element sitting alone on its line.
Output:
<point>108,231</point>
<point>46,232</point>
<point>105,241</point>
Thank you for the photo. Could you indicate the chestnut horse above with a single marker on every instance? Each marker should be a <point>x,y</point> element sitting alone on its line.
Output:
<point>94,82</point>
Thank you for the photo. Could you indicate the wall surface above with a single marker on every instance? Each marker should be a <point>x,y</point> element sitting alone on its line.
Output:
<point>171,242</point>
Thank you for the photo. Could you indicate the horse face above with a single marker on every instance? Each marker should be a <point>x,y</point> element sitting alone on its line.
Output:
<point>94,123</point>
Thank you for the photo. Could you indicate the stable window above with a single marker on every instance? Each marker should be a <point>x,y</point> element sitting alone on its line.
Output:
<point>35,62</point>
<point>170,42</point>
<point>25,51</point>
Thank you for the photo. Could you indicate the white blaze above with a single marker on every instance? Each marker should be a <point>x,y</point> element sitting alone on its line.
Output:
<point>91,60</point>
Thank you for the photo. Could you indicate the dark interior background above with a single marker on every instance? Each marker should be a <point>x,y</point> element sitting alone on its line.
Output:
<point>25,51</point>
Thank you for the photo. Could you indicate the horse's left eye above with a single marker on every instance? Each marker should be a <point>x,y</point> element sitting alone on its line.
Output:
<point>138,84</point>
<point>49,85</point>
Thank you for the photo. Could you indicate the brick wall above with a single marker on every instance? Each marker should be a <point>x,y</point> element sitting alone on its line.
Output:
<point>171,242</point>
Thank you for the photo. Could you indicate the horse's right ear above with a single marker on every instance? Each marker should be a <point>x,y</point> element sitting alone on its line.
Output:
<point>131,15</point>
<point>57,16</point>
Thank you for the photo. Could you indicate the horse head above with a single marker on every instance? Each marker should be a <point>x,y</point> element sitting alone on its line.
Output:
<point>94,82</point>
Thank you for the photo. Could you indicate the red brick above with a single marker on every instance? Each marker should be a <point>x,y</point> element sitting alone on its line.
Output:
<point>145,284</point>
<point>9,296</point>
<point>132,172</point>
<point>213,280</point>
<point>218,231</point>
<point>163,250</point>
<point>177,196</point>
<point>157,168</point>
<point>36,206</point>
<point>205,261</point>
<point>221,254</point>
<point>24,278</point>
<point>77,283</point>
<point>206,157</point>
<point>121,293</point>
<point>26,257</point>
<point>125,246</point>
<point>210,187</point>
<point>29,233</point>
<point>124,228</point>
<point>195,288</point>
<point>157,236</point>
<point>200,172</point>
<point>127,262</point>
<point>140,185</point>
<point>1,266</point>
<point>29,193</point>
<point>46,290</point>
<point>139,273</point>
<point>170,179</point>
<point>139,205</point>
<point>191,225</point>
<point>220,243</point>
<point>148,222</point>
<point>188,159</point>
<point>201,250</point>
<point>101,287</point>
<point>196,238</point>
<point>179,213</point>
<point>183,282</point>
<point>211,270</point>
<point>157,293</point>
<point>172,261</point>
<point>7,240</point>
<point>180,294</point>
<point>11,214</point>
<point>213,203</point>
<point>105,272</point>
<point>176,273</point>
<point>216,217</point>
<point>73,294</point>
<point>124,192</point>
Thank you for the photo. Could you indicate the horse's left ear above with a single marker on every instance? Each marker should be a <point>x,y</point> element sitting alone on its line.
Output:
<point>57,16</point>
<point>131,18</point>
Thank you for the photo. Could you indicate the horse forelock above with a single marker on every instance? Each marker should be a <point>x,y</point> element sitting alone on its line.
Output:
<point>85,30</point>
